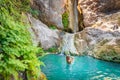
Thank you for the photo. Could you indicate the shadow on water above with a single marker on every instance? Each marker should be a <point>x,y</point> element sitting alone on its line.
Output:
<point>82,68</point>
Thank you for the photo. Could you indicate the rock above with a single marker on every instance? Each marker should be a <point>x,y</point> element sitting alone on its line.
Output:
<point>73,44</point>
<point>80,43</point>
<point>42,35</point>
<point>100,12</point>
<point>98,43</point>
<point>102,44</point>
<point>102,17</point>
<point>50,11</point>
<point>42,76</point>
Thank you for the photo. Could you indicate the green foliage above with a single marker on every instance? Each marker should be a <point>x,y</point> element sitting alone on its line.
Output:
<point>52,27</point>
<point>52,50</point>
<point>65,20</point>
<point>34,12</point>
<point>17,54</point>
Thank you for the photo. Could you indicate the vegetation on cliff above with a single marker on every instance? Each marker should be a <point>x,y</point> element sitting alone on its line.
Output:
<point>65,20</point>
<point>17,54</point>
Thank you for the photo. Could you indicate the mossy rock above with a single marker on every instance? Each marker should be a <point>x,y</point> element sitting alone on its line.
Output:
<point>53,49</point>
<point>108,52</point>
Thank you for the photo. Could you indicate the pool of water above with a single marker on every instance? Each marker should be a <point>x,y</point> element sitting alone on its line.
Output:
<point>82,68</point>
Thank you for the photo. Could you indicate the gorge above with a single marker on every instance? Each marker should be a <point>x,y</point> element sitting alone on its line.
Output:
<point>94,23</point>
<point>37,35</point>
<point>84,27</point>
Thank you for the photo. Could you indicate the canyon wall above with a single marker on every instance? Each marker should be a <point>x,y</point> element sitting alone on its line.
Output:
<point>50,11</point>
<point>95,25</point>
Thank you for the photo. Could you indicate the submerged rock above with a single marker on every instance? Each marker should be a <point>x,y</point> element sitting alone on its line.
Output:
<point>42,35</point>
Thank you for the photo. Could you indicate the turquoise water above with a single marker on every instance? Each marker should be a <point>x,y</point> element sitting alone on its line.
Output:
<point>82,68</point>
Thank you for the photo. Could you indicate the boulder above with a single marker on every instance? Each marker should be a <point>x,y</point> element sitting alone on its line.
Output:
<point>42,35</point>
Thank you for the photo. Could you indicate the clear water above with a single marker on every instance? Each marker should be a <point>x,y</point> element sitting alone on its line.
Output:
<point>83,68</point>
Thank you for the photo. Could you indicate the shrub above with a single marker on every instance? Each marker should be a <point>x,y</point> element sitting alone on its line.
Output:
<point>65,19</point>
<point>52,49</point>
<point>52,27</point>
<point>34,12</point>
<point>17,54</point>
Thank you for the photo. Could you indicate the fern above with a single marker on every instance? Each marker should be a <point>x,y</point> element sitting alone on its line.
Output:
<point>17,54</point>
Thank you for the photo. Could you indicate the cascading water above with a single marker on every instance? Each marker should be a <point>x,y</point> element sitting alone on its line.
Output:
<point>67,45</point>
<point>75,15</point>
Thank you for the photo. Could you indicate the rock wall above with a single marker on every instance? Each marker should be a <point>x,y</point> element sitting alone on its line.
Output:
<point>100,38</point>
<point>98,12</point>
<point>42,35</point>
<point>102,44</point>
<point>98,43</point>
<point>50,11</point>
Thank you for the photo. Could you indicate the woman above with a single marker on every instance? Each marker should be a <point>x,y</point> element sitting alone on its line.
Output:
<point>69,59</point>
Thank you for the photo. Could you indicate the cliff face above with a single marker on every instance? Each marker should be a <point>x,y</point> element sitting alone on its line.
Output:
<point>94,13</point>
<point>50,11</point>
<point>42,35</point>
<point>102,38</point>
<point>98,12</point>
<point>99,21</point>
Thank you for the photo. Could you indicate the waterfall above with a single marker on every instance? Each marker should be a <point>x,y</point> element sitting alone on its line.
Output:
<point>75,16</point>
<point>67,45</point>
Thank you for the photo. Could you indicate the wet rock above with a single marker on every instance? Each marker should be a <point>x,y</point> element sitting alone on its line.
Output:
<point>73,44</point>
<point>42,35</point>
<point>80,43</point>
<point>67,46</point>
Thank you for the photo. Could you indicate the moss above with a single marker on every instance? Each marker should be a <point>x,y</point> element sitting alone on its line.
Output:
<point>65,19</point>
<point>108,52</point>
<point>52,27</point>
<point>34,12</point>
<point>52,50</point>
